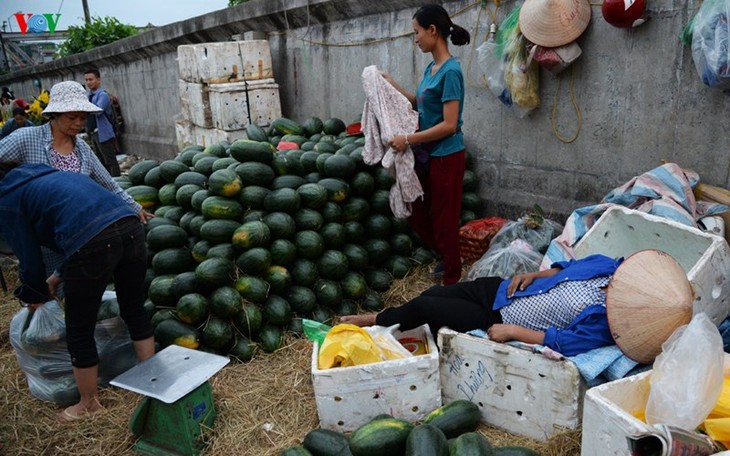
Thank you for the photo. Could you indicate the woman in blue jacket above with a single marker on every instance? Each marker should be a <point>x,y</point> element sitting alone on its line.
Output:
<point>440,102</point>
<point>99,237</point>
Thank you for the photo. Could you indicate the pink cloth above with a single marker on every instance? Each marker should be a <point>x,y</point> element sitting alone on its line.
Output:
<point>386,114</point>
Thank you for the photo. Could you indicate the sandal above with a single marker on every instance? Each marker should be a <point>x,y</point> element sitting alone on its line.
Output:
<point>68,415</point>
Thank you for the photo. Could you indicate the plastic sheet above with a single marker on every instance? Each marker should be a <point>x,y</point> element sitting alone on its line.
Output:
<point>687,377</point>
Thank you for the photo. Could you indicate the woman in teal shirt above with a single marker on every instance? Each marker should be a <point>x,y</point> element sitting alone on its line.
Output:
<point>440,102</point>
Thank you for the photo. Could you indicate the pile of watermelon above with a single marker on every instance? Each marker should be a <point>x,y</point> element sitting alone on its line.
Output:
<point>248,239</point>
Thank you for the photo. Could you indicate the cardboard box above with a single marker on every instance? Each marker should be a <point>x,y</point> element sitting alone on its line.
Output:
<point>409,388</point>
<point>609,414</point>
<point>223,62</point>
<point>705,257</point>
<point>521,392</point>
<point>235,105</point>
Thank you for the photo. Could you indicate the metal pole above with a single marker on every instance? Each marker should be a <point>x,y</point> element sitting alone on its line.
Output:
<point>87,16</point>
<point>5,54</point>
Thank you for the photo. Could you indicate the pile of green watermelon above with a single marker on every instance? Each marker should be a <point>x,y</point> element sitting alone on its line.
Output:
<point>247,239</point>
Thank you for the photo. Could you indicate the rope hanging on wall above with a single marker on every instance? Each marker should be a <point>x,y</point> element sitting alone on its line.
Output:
<point>575,106</point>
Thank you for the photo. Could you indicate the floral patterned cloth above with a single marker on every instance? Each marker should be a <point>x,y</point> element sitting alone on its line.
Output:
<point>386,114</point>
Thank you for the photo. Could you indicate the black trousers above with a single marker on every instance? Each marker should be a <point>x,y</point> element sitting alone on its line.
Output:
<point>462,307</point>
<point>120,251</point>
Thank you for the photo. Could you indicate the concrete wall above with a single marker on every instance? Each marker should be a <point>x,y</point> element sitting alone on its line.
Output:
<point>640,98</point>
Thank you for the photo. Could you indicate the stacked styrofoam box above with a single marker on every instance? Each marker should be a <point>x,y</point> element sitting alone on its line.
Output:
<point>409,388</point>
<point>223,87</point>
<point>705,257</point>
<point>516,390</point>
<point>609,414</point>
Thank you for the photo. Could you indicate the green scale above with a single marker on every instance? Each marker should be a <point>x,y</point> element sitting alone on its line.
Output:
<point>178,405</point>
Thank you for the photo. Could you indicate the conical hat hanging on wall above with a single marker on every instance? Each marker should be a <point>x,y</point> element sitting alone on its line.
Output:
<point>553,23</point>
<point>649,296</point>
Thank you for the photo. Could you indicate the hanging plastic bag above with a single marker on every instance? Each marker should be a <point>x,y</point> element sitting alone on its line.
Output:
<point>44,328</point>
<point>521,78</point>
<point>518,257</point>
<point>493,65</point>
<point>710,46</point>
<point>687,377</point>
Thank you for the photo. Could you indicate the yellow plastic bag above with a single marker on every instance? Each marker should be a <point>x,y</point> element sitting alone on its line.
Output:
<point>348,345</point>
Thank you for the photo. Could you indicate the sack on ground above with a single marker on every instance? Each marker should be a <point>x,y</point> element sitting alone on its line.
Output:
<point>517,257</point>
<point>47,366</point>
<point>537,231</point>
<point>476,236</point>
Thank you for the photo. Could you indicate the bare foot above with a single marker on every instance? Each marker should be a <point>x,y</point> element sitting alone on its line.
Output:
<point>359,320</point>
<point>79,412</point>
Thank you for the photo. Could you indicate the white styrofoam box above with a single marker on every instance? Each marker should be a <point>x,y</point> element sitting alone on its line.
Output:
<point>231,105</point>
<point>516,390</point>
<point>195,103</point>
<point>609,414</point>
<point>183,133</point>
<point>227,61</point>
<point>705,257</point>
<point>409,388</point>
<point>207,136</point>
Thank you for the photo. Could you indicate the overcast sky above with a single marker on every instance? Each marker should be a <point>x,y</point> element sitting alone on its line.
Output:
<point>135,12</point>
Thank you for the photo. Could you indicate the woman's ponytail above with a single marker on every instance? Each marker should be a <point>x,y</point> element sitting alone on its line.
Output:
<point>459,35</point>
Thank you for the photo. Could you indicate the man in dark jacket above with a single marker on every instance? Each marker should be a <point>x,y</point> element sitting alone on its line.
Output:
<point>99,235</point>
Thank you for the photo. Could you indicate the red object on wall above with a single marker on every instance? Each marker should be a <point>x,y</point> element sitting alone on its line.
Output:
<point>624,13</point>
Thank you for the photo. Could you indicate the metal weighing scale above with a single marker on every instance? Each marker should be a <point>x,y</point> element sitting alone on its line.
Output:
<point>178,406</point>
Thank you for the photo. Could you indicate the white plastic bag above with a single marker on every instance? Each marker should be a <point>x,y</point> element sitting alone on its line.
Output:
<point>517,257</point>
<point>44,328</point>
<point>386,341</point>
<point>687,377</point>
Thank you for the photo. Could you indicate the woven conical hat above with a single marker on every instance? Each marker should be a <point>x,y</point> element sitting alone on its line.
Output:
<point>648,297</point>
<point>553,23</point>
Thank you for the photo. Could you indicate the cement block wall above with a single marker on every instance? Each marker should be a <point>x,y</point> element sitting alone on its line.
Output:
<point>640,97</point>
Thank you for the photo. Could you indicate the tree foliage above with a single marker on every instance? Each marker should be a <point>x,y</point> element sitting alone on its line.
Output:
<point>99,32</point>
<point>236,2</point>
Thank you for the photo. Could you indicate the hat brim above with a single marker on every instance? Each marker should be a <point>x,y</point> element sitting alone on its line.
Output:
<point>75,106</point>
<point>647,299</point>
<point>554,23</point>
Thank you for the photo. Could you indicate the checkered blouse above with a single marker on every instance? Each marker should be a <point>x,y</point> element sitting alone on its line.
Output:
<point>556,308</point>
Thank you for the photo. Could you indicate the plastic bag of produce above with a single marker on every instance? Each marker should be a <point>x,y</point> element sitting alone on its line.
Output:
<point>711,43</point>
<point>49,372</point>
<point>521,78</point>
<point>534,228</point>
<point>44,328</point>
<point>517,257</point>
<point>350,345</point>
<point>687,377</point>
